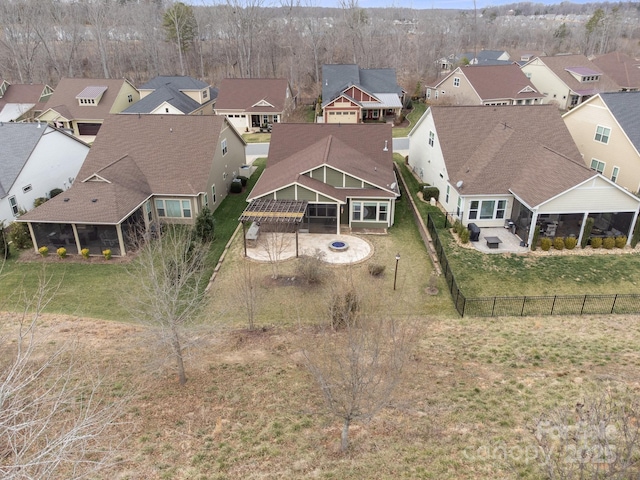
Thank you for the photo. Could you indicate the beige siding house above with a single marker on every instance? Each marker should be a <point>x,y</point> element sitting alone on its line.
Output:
<point>516,167</point>
<point>345,172</point>
<point>567,80</point>
<point>485,85</point>
<point>606,129</point>
<point>80,105</point>
<point>142,172</point>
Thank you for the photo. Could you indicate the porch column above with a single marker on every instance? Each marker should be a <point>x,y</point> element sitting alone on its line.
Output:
<point>123,252</point>
<point>33,237</point>
<point>338,218</point>
<point>532,227</point>
<point>244,238</point>
<point>76,237</point>
<point>633,224</point>
<point>584,221</point>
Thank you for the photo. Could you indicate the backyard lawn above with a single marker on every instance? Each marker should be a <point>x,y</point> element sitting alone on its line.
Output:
<point>483,275</point>
<point>93,289</point>
<point>413,116</point>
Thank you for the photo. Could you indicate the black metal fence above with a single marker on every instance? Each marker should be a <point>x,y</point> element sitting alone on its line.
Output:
<point>530,305</point>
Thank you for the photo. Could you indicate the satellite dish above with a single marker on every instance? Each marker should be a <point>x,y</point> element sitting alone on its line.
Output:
<point>459,184</point>
<point>393,186</point>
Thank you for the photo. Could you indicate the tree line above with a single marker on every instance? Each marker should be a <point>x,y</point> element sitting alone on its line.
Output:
<point>42,41</point>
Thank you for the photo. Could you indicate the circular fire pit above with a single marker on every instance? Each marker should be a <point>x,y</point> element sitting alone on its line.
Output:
<point>338,246</point>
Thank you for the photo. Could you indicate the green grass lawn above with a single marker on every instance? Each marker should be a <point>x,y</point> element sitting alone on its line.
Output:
<point>413,116</point>
<point>483,275</point>
<point>257,137</point>
<point>92,289</point>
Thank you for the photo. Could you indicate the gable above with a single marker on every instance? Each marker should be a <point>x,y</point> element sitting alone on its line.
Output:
<point>262,103</point>
<point>595,194</point>
<point>342,102</point>
<point>359,94</point>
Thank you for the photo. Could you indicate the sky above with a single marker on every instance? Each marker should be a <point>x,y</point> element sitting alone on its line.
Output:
<point>417,4</point>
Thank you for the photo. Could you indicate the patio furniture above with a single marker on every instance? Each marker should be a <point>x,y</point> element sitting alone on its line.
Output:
<point>252,234</point>
<point>493,242</point>
<point>474,232</point>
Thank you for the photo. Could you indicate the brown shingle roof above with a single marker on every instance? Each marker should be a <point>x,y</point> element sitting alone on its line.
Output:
<point>23,94</point>
<point>622,68</point>
<point>494,82</point>
<point>64,99</point>
<point>560,63</point>
<point>355,149</point>
<point>137,156</point>
<point>526,150</point>
<point>244,93</point>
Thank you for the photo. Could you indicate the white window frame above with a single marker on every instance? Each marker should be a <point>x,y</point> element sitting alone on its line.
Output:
<point>479,211</point>
<point>432,138</point>
<point>603,134</point>
<point>13,203</point>
<point>615,173</point>
<point>358,211</point>
<point>185,206</point>
<point>27,188</point>
<point>446,197</point>
<point>223,146</point>
<point>205,200</point>
<point>213,194</point>
<point>456,81</point>
<point>597,164</point>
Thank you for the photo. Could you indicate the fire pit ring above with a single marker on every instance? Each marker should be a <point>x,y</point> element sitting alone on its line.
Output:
<point>338,246</point>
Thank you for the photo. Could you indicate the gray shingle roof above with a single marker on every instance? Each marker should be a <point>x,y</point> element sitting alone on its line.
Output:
<point>335,78</point>
<point>625,107</point>
<point>17,141</point>
<point>179,82</point>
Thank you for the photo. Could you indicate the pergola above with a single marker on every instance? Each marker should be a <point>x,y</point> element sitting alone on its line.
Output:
<point>273,212</point>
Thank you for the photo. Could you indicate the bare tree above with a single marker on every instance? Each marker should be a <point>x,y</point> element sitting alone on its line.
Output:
<point>596,439</point>
<point>55,420</point>
<point>275,243</point>
<point>359,366</point>
<point>170,289</point>
<point>247,291</point>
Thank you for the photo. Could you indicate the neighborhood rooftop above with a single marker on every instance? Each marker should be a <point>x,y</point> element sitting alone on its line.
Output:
<point>625,107</point>
<point>17,141</point>
<point>336,78</point>
<point>248,93</point>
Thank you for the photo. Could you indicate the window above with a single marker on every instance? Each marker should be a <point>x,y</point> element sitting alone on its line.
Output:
<point>432,138</point>
<point>614,174</point>
<point>456,82</point>
<point>265,119</point>
<point>166,110</point>
<point>224,146</point>
<point>446,198</point>
<point>436,94</point>
<point>147,208</point>
<point>357,211</point>
<point>487,209</point>
<point>597,165</point>
<point>130,98</point>
<point>370,211</point>
<point>205,200</point>
<point>574,100</point>
<point>13,203</point>
<point>428,93</point>
<point>205,94</point>
<point>26,188</point>
<point>213,194</point>
<point>459,208</point>
<point>174,208</point>
<point>224,176</point>
<point>602,134</point>
<point>376,114</point>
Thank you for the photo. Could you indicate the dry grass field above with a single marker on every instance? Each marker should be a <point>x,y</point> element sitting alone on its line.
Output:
<point>251,410</point>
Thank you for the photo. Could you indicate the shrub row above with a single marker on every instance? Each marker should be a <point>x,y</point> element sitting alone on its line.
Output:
<point>570,243</point>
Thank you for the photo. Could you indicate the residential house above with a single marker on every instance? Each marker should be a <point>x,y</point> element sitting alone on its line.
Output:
<point>249,103</point>
<point>485,85</point>
<point>345,172</point>
<point>35,159</point>
<point>567,80</point>
<point>523,56</point>
<point>175,95</point>
<point>516,167</point>
<point>20,102</point>
<point>606,129</point>
<point>623,69</point>
<point>80,105</point>
<point>353,95</point>
<point>141,172</point>
<point>485,57</point>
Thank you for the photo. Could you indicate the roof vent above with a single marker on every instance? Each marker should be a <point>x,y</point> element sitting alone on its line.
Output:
<point>386,146</point>
<point>94,200</point>
<point>66,199</point>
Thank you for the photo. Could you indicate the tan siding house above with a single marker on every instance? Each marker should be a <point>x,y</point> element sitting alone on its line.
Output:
<point>606,130</point>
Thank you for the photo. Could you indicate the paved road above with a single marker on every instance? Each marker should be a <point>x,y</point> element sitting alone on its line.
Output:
<point>400,144</point>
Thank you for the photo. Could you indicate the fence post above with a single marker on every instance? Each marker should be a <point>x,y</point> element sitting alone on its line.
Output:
<point>583,302</point>
<point>464,304</point>
<point>493,308</point>
<point>553,304</point>
<point>613,307</point>
<point>524,302</point>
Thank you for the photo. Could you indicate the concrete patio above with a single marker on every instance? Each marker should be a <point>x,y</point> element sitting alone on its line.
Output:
<point>510,242</point>
<point>358,251</point>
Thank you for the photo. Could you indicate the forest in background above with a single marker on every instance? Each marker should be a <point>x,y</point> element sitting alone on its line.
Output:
<point>42,41</point>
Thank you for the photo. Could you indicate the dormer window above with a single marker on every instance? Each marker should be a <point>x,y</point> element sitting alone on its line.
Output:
<point>591,78</point>
<point>91,95</point>
<point>205,94</point>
